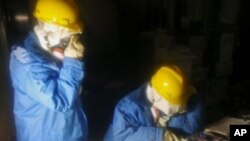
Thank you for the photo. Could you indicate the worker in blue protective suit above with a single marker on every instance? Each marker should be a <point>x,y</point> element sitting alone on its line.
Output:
<point>46,72</point>
<point>165,109</point>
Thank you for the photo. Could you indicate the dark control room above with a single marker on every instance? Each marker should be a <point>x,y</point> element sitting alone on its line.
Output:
<point>124,70</point>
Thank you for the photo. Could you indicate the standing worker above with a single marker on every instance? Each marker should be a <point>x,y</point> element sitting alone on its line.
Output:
<point>165,109</point>
<point>46,72</point>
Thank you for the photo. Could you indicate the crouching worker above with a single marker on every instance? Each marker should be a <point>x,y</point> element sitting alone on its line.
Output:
<point>47,72</point>
<point>164,109</point>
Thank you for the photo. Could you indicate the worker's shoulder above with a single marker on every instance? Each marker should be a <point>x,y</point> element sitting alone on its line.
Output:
<point>21,55</point>
<point>133,100</point>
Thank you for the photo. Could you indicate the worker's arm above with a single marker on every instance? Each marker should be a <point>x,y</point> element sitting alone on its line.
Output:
<point>56,89</point>
<point>192,120</point>
<point>126,127</point>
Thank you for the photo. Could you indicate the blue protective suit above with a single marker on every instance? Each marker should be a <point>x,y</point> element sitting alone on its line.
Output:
<point>47,105</point>
<point>133,120</point>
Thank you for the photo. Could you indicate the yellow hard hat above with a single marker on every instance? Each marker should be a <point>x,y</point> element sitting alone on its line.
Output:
<point>59,12</point>
<point>169,83</point>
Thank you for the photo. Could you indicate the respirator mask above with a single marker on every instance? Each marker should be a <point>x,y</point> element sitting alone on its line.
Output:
<point>163,105</point>
<point>53,38</point>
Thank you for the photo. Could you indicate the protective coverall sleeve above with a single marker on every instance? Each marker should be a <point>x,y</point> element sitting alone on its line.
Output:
<point>56,89</point>
<point>126,126</point>
<point>191,121</point>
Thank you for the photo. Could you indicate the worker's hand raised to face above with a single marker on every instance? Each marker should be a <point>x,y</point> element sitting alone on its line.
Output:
<point>75,49</point>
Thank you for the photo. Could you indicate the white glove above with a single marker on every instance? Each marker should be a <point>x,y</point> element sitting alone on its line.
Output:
<point>170,136</point>
<point>75,49</point>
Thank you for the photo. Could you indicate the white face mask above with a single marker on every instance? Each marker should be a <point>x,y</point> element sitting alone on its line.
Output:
<point>51,35</point>
<point>164,106</point>
<point>55,39</point>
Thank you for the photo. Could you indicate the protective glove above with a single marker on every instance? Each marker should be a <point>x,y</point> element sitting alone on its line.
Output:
<point>162,121</point>
<point>170,136</point>
<point>75,49</point>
